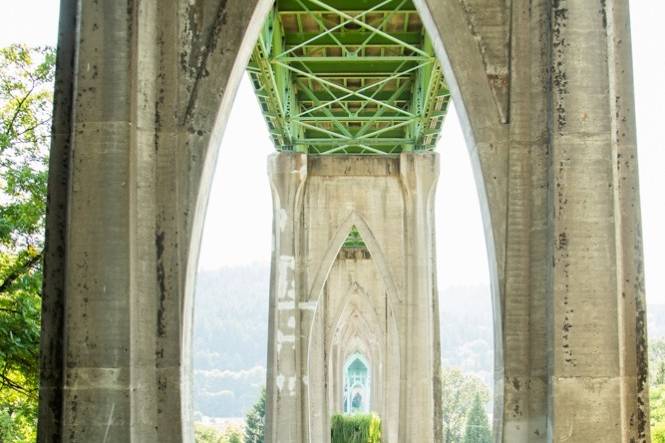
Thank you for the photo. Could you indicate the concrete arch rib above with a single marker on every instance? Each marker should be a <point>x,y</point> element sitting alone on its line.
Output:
<point>210,156</point>
<point>462,62</point>
<point>355,328</point>
<point>356,298</point>
<point>375,250</point>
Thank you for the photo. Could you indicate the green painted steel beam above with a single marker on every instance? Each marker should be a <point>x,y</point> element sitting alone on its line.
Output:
<point>354,240</point>
<point>351,38</point>
<point>293,6</point>
<point>323,96</point>
<point>348,77</point>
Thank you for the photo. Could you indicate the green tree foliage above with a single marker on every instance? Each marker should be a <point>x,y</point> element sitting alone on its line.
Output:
<point>477,426</point>
<point>206,434</point>
<point>233,436</point>
<point>255,420</point>
<point>459,392</point>
<point>657,362</point>
<point>358,428</point>
<point>26,85</point>
<point>658,433</point>
<point>657,406</point>
<point>657,389</point>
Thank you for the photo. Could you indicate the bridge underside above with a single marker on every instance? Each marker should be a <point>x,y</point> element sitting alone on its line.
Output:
<point>544,91</point>
<point>348,77</point>
<point>354,99</point>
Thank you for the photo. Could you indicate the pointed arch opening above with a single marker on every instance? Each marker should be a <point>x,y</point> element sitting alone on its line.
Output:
<point>357,384</point>
<point>353,229</point>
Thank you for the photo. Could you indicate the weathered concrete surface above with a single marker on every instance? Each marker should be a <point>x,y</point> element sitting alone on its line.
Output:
<point>143,90</point>
<point>316,293</point>
<point>559,186</point>
<point>544,90</point>
<point>284,389</point>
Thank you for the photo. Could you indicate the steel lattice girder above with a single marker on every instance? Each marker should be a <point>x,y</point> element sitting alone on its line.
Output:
<point>348,76</point>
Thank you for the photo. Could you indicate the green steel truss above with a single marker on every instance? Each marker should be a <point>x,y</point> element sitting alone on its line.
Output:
<point>354,240</point>
<point>348,77</point>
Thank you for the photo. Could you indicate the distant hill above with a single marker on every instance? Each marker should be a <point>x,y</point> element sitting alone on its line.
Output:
<point>656,321</point>
<point>230,336</point>
<point>467,338</point>
<point>230,339</point>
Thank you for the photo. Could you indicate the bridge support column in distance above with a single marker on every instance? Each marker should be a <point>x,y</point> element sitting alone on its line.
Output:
<point>288,172</point>
<point>318,201</point>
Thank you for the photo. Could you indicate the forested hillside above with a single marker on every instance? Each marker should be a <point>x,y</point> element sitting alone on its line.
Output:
<point>230,339</point>
<point>466,330</point>
<point>230,336</point>
<point>656,321</point>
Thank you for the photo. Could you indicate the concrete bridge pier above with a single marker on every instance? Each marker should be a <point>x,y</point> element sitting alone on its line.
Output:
<point>285,385</point>
<point>322,297</point>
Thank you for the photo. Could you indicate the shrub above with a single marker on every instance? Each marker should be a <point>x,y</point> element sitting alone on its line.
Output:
<point>359,428</point>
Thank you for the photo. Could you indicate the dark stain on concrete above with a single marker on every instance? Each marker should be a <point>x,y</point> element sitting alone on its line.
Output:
<point>161,282</point>
<point>209,47</point>
<point>559,74</point>
<point>603,12</point>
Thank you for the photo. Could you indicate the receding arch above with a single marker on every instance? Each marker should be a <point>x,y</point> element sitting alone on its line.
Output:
<point>381,341</point>
<point>471,65</point>
<point>353,219</point>
<point>355,298</point>
<point>357,363</point>
<point>459,56</point>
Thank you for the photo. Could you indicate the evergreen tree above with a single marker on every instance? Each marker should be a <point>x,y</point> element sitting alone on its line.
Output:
<point>459,391</point>
<point>255,420</point>
<point>477,427</point>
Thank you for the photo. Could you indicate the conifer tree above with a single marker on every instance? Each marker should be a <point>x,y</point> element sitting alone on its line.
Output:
<point>477,427</point>
<point>255,420</point>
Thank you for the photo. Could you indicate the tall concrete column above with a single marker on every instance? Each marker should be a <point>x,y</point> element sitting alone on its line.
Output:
<point>288,172</point>
<point>597,294</point>
<point>132,157</point>
<point>422,363</point>
<point>544,90</point>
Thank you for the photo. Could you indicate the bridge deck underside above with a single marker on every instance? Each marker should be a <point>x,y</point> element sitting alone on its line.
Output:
<point>348,77</point>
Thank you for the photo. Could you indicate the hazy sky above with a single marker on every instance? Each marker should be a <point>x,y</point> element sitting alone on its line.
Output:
<point>241,186</point>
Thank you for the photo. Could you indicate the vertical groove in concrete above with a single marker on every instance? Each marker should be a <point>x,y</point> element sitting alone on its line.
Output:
<point>55,252</point>
<point>117,281</point>
<point>630,291</point>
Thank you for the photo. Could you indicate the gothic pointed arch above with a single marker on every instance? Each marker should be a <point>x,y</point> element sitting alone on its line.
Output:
<point>334,246</point>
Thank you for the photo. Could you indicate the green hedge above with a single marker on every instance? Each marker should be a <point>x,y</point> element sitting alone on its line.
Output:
<point>355,429</point>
